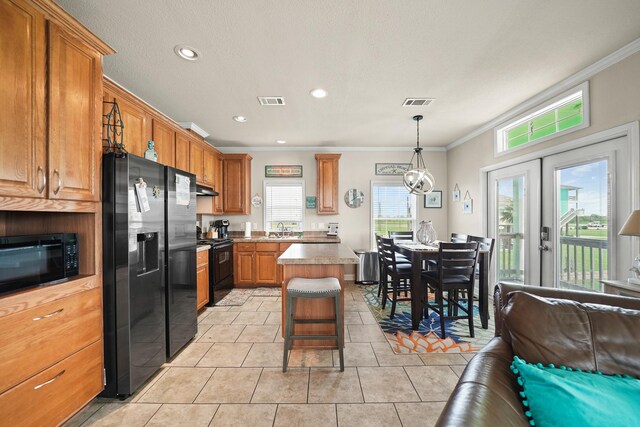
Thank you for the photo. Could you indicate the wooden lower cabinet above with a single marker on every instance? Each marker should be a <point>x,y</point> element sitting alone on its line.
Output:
<point>256,264</point>
<point>48,398</point>
<point>202,279</point>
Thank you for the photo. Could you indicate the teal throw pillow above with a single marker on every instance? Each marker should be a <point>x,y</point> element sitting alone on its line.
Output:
<point>561,396</point>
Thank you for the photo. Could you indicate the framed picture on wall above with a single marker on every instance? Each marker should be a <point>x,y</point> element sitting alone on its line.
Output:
<point>433,199</point>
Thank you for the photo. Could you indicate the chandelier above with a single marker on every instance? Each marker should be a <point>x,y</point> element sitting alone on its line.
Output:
<point>418,179</point>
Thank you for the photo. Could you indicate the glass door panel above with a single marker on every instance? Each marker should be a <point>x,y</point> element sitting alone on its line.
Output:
<point>511,221</point>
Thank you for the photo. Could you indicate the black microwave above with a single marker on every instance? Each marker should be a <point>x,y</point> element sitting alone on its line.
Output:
<point>27,261</point>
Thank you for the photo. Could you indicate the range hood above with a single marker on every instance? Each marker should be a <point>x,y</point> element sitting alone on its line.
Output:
<point>201,190</point>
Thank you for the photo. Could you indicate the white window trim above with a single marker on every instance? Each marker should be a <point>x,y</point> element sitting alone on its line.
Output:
<point>498,131</point>
<point>372,234</point>
<point>281,181</point>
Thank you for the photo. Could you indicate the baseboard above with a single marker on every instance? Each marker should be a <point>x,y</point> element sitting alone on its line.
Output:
<point>350,277</point>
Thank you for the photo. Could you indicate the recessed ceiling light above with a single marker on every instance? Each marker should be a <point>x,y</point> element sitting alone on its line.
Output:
<point>240,119</point>
<point>186,52</point>
<point>318,93</point>
<point>281,141</point>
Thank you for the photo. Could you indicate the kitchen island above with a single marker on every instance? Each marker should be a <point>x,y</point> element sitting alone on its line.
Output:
<point>314,261</point>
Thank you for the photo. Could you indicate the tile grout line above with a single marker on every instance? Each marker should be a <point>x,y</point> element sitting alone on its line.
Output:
<point>397,413</point>
<point>246,355</point>
<point>204,385</point>
<point>153,415</point>
<point>256,386</point>
<point>412,384</point>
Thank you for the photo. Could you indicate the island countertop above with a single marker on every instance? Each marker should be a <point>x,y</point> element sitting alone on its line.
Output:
<point>312,253</point>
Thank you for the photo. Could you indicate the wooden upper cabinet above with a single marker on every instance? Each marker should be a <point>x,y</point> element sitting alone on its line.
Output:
<point>327,197</point>
<point>75,113</point>
<point>196,160</point>
<point>209,167</point>
<point>137,127</point>
<point>164,138</point>
<point>236,183</point>
<point>23,166</point>
<point>182,152</point>
<point>218,207</point>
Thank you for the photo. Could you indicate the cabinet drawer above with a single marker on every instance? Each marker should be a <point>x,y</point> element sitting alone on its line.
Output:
<point>267,247</point>
<point>202,257</point>
<point>34,339</point>
<point>246,247</point>
<point>50,397</point>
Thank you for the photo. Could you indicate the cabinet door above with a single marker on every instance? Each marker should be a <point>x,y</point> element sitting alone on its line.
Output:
<point>328,200</point>
<point>209,165</point>
<point>196,161</point>
<point>245,268</point>
<point>75,107</point>
<point>217,184</point>
<point>23,167</point>
<point>164,137</point>
<point>182,153</point>
<point>266,268</point>
<point>202,280</point>
<point>236,184</point>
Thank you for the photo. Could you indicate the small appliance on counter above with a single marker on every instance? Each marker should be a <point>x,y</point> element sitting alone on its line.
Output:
<point>333,229</point>
<point>223,228</point>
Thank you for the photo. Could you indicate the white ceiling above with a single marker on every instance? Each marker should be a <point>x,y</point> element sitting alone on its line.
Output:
<point>477,58</point>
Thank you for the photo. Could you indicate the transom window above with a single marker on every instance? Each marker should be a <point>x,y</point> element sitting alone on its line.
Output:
<point>565,113</point>
<point>393,208</point>
<point>284,203</point>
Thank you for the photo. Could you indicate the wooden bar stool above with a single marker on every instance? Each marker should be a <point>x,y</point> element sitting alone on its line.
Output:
<point>328,287</point>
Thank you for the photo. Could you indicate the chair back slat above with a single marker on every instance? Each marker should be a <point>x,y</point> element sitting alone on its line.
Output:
<point>459,238</point>
<point>457,259</point>
<point>401,235</point>
<point>388,252</point>
<point>484,244</point>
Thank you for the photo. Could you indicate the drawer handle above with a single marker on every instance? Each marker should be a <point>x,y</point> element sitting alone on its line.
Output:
<point>46,316</point>
<point>44,179</point>
<point>39,386</point>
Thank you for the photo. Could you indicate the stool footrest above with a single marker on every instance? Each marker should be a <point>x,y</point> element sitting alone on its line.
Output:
<point>314,337</point>
<point>314,321</point>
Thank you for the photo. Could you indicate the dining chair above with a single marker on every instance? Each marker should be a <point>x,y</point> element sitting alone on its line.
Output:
<point>400,274</point>
<point>484,244</point>
<point>455,272</point>
<point>459,238</point>
<point>401,236</point>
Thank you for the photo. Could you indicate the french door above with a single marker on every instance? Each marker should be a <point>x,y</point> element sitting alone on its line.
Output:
<point>514,221</point>
<point>556,219</point>
<point>586,199</point>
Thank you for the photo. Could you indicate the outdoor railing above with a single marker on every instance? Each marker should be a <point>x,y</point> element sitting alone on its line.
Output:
<point>583,262</point>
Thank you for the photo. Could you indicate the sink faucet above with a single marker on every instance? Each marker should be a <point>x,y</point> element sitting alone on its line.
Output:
<point>280,227</point>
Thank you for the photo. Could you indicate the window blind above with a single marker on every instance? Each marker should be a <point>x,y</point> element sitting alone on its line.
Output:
<point>284,202</point>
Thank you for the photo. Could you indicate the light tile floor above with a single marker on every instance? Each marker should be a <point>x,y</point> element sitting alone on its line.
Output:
<point>231,375</point>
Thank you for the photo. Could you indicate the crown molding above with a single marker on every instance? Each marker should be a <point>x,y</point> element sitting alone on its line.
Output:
<point>563,85</point>
<point>233,150</point>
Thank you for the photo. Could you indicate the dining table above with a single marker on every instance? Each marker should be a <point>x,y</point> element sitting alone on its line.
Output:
<point>418,253</point>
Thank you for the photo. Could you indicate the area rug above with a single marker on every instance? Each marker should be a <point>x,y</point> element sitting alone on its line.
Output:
<point>403,339</point>
<point>239,296</point>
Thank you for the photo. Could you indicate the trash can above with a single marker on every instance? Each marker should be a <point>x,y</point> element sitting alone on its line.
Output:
<point>367,271</point>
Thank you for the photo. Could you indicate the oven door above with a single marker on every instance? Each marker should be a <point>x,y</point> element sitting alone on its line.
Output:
<point>222,263</point>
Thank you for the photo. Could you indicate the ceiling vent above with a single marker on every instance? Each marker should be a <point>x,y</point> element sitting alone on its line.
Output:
<point>417,102</point>
<point>271,101</point>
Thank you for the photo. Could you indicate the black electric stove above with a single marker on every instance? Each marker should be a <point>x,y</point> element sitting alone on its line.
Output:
<point>220,265</point>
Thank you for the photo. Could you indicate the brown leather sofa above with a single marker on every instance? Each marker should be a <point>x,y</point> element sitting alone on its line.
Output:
<point>578,333</point>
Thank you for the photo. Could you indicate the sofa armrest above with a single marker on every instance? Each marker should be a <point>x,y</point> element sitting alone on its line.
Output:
<point>502,290</point>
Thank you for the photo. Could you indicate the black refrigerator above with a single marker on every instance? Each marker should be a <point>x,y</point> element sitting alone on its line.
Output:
<point>149,284</point>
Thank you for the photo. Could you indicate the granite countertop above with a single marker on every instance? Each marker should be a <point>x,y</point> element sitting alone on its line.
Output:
<point>203,248</point>
<point>319,254</point>
<point>303,239</point>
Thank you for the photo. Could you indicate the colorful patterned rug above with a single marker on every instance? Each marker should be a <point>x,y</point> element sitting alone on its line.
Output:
<point>239,296</point>
<point>426,339</point>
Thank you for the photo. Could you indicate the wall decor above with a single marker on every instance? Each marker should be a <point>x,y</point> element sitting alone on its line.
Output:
<point>112,121</point>
<point>455,194</point>
<point>433,199</point>
<point>283,171</point>
<point>392,168</point>
<point>354,198</point>
<point>467,204</point>
<point>311,202</point>
<point>256,201</point>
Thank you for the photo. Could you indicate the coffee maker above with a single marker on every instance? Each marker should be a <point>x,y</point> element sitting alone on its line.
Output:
<point>223,228</point>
